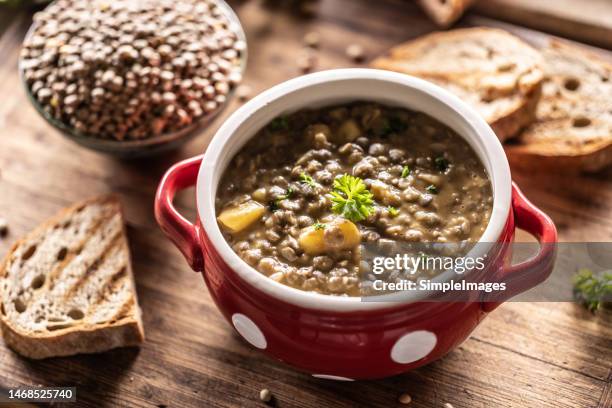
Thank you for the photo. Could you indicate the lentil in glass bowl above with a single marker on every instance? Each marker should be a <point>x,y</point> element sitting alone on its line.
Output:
<point>127,146</point>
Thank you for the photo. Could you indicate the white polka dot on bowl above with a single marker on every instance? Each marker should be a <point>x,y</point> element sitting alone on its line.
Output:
<point>413,346</point>
<point>249,331</point>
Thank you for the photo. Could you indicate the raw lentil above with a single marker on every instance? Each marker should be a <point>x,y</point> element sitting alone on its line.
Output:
<point>243,92</point>
<point>405,399</point>
<point>114,70</point>
<point>355,52</point>
<point>265,395</point>
<point>312,39</point>
<point>4,228</point>
<point>306,61</point>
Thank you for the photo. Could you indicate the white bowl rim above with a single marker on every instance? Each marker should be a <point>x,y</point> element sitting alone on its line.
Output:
<point>209,173</point>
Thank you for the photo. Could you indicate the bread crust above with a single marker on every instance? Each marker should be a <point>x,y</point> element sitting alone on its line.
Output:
<point>505,127</point>
<point>552,142</point>
<point>127,331</point>
<point>516,92</point>
<point>530,158</point>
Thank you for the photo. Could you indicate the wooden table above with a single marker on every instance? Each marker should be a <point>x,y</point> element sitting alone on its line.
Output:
<point>523,354</point>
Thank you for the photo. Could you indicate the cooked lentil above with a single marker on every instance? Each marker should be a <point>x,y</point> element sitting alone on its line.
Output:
<point>129,70</point>
<point>275,205</point>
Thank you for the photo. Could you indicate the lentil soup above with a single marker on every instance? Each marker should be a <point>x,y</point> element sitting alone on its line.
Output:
<point>307,191</point>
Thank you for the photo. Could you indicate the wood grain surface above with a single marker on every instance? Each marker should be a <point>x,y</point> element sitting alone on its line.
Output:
<point>522,355</point>
<point>584,20</point>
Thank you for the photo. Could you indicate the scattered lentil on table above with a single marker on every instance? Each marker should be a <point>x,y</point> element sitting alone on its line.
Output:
<point>275,209</point>
<point>131,70</point>
<point>312,39</point>
<point>243,92</point>
<point>307,60</point>
<point>355,52</point>
<point>4,228</point>
<point>405,399</point>
<point>265,395</point>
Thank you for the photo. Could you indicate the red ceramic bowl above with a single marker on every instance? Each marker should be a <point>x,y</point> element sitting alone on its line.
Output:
<point>344,338</point>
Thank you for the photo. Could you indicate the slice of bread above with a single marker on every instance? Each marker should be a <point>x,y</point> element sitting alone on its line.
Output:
<point>573,131</point>
<point>492,70</point>
<point>67,287</point>
<point>445,12</point>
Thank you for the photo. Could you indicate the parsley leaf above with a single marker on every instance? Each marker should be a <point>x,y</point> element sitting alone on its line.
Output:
<point>273,205</point>
<point>405,172</point>
<point>279,123</point>
<point>351,198</point>
<point>319,226</point>
<point>441,163</point>
<point>591,290</point>
<point>431,189</point>
<point>306,179</point>
<point>385,128</point>
<point>288,194</point>
<point>397,124</point>
<point>393,212</point>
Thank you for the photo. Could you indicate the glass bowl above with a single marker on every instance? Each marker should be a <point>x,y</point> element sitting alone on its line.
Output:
<point>151,145</point>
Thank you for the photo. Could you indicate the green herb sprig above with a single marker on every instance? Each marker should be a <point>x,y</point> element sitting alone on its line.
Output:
<point>308,180</point>
<point>288,194</point>
<point>393,124</point>
<point>279,123</point>
<point>591,290</point>
<point>441,163</point>
<point>351,198</point>
<point>274,204</point>
<point>397,124</point>
<point>405,172</point>
<point>393,212</point>
<point>319,226</point>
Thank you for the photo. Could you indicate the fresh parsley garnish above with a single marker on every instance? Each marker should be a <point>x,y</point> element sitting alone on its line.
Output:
<point>274,204</point>
<point>431,189</point>
<point>405,171</point>
<point>279,123</point>
<point>351,198</point>
<point>393,212</point>
<point>306,179</point>
<point>386,127</point>
<point>319,226</point>
<point>441,163</point>
<point>397,124</point>
<point>591,290</point>
<point>288,194</point>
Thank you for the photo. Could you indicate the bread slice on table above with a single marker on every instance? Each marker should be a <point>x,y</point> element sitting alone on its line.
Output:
<point>573,131</point>
<point>445,12</point>
<point>67,287</point>
<point>491,69</point>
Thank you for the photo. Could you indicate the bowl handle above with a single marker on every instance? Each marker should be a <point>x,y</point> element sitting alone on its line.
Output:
<point>527,274</point>
<point>181,232</point>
